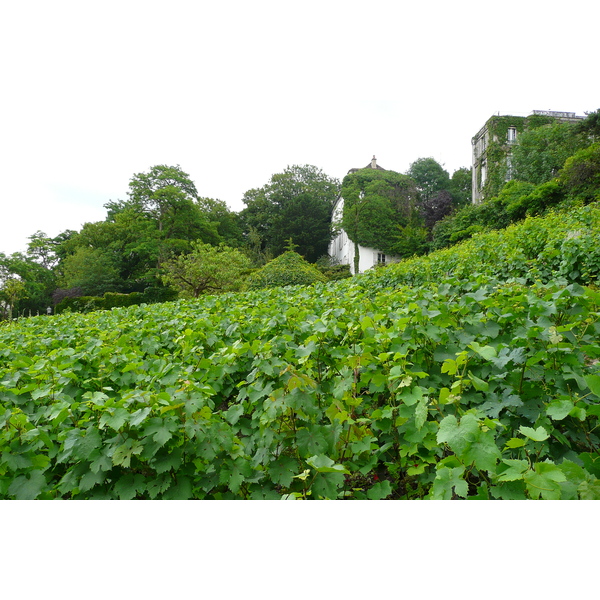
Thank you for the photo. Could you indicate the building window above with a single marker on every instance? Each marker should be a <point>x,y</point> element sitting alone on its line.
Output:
<point>380,258</point>
<point>483,172</point>
<point>511,135</point>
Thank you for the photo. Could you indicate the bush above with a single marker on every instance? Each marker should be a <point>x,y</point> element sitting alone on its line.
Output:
<point>581,174</point>
<point>110,300</point>
<point>287,269</point>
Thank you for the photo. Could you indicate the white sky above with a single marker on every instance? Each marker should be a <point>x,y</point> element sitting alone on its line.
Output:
<point>234,91</point>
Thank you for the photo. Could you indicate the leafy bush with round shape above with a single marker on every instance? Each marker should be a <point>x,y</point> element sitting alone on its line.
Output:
<point>287,269</point>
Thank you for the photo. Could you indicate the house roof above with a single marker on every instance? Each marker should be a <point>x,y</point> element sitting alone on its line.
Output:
<point>372,165</point>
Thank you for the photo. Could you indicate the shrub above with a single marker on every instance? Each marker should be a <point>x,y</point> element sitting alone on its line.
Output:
<point>287,269</point>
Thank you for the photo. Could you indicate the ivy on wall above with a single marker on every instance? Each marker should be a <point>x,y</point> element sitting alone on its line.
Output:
<point>498,147</point>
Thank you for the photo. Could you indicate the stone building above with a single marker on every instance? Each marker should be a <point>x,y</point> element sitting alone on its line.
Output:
<point>492,148</point>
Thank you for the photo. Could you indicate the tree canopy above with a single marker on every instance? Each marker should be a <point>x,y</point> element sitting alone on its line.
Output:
<point>295,204</point>
<point>207,270</point>
<point>429,176</point>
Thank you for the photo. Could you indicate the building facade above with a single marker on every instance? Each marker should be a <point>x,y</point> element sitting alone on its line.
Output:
<point>342,249</point>
<point>493,144</point>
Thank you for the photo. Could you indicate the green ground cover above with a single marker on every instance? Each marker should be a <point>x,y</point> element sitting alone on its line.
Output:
<point>471,374</point>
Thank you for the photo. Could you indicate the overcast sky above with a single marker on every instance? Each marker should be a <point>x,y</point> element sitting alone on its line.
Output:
<point>234,91</point>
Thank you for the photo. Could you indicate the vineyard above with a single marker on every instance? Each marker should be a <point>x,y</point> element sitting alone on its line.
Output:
<point>470,373</point>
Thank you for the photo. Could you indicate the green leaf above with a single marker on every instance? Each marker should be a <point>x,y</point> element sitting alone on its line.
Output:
<point>326,485</point>
<point>479,384</point>
<point>138,416</point>
<point>324,464</point>
<point>160,430</point>
<point>589,490</point>
<point>182,490</point>
<point>381,490</point>
<point>487,352</point>
<point>537,435</point>
<point>458,437</point>
<point>234,413</point>
<point>515,443</point>
<point>90,479</point>
<point>128,486</point>
<point>483,451</point>
<point>421,412</point>
<point>28,487</point>
<point>84,446</point>
<point>593,382</point>
<point>282,470</point>
<point>559,409</point>
<point>544,481</point>
<point>515,471</point>
<point>116,420</point>
<point>449,481</point>
<point>311,441</point>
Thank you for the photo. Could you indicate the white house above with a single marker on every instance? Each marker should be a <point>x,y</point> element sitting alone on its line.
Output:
<point>342,248</point>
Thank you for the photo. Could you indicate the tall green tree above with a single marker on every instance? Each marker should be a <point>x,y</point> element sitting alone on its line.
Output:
<point>429,176</point>
<point>295,204</point>
<point>162,217</point>
<point>227,223</point>
<point>461,187</point>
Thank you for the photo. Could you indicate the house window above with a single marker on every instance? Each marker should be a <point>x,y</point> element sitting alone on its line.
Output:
<point>511,135</point>
<point>380,258</point>
<point>483,172</point>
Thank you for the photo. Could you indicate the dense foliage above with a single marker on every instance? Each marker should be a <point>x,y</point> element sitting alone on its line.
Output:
<point>288,268</point>
<point>296,204</point>
<point>207,270</point>
<point>381,210</point>
<point>480,380</point>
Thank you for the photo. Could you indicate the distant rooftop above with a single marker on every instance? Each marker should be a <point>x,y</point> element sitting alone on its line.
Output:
<point>372,165</point>
<point>557,114</point>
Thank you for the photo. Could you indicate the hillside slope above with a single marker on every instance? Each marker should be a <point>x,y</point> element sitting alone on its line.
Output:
<point>470,373</point>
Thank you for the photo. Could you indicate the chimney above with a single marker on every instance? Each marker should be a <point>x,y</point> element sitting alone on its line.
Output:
<point>373,162</point>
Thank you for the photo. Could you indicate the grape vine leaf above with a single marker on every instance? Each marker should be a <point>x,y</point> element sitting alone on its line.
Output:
<point>537,435</point>
<point>282,470</point>
<point>448,480</point>
<point>28,488</point>
<point>381,490</point>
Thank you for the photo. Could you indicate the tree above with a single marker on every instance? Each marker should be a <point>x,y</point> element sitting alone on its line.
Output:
<point>296,204</point>
<point>436,207</point>
<point>590,126</point>
<point>167,197</point>
<point>161,192</point>
<point>378,206</point>
<point>581,174</point>
<point>11,292</point>
<point>38,280</point>
<point>461,187</point>
<point>226,222</point>
<point>91,269</point>
<point>429,176</point>
<point>161,219</point>
<point>42,249</point>
<point>541,152</point>
<point>207,270</point>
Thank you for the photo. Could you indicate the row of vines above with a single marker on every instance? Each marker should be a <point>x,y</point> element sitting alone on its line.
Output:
<point>472,386</point>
